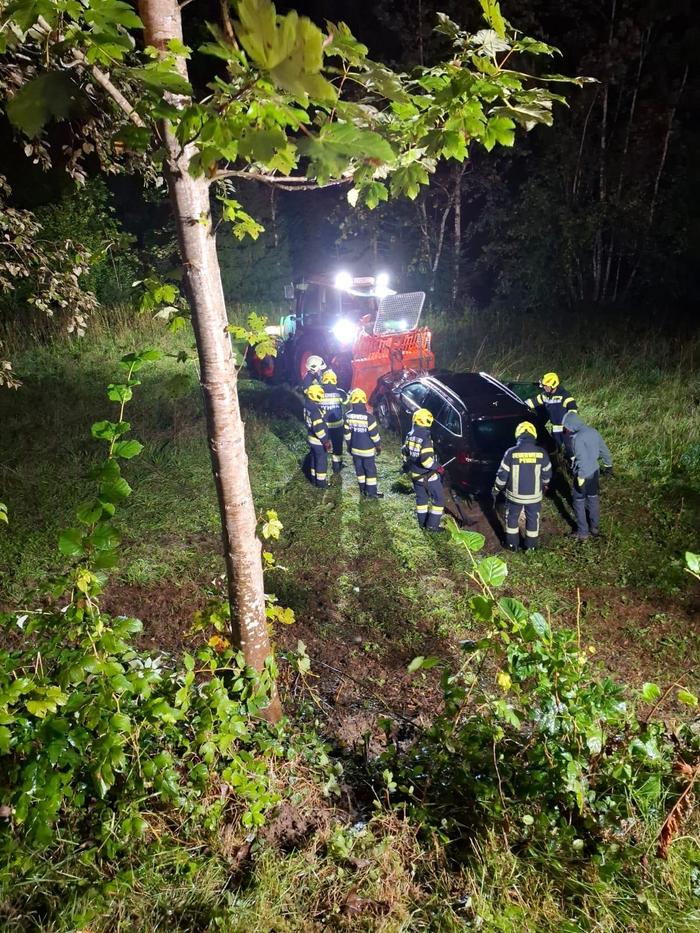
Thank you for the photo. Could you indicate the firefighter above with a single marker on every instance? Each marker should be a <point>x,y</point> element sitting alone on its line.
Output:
<point>524,473</point>
<point>588,448</point>
<point>426,473</point>
<point>314,368</point>
<point>317,436</point>
<point>363,443</point>
<point>332,406</point>
<point>556,401</point>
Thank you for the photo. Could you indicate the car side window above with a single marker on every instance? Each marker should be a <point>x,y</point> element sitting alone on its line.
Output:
<point>435,403</point>
<point>452,419</point>
<point>415,393</point>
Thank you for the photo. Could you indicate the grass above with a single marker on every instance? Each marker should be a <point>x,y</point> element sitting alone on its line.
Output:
<point>370,591</point>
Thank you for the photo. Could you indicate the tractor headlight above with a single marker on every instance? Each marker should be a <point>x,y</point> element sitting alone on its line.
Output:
<point>343,280</point>
<point>344,331</point>
<point>381,284</point>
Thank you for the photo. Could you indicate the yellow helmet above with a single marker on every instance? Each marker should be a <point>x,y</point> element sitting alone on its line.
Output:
<point>423,418</point>
<point>526,426</point>
<point>357,396</point>
<point>315,392</point>
<point>549,381</point>
<point>329,378</point>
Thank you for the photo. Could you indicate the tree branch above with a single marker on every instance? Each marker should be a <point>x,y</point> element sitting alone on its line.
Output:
<point>289,183</point>
<point>102,79</point>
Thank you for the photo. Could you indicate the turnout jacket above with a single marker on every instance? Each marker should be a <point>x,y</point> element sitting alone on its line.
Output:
<point>524,471</point>
<point>315,427</point>
<point>587,445</point>
<point>334,399</point>
<point>361,433</point>
<point>418,452</point>
<point>556,405</point>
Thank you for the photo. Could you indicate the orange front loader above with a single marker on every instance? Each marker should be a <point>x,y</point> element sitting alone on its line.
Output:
<point>374,356</point>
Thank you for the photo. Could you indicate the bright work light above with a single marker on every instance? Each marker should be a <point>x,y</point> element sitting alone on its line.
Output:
<point>343,280</point>
<point>344,331</point>
<point>382,280</point>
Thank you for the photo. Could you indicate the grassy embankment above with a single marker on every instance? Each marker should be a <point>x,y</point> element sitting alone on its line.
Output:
<point>370,591</point>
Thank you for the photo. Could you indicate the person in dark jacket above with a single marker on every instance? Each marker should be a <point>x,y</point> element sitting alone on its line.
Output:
<point>588,448</point>
<point>524,473</point>
<point>333,408</point>
<point>555,401</point>
<point>316,436</point>
<point>425,472</point>
<point>363,443</point>
<point>314,368</point>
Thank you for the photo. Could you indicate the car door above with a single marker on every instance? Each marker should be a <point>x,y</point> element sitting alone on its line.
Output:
<point>447,426</point>
<point>411,399</point>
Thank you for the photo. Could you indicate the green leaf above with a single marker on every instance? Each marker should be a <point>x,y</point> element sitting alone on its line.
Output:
<point>650,692</point>
<point>513,609</point>
<point>499,130</point>
<point>50,95</point>
<point>70,542</point>
<point>354,142</point>
<point>493,16</point>
<point>686,697</point>
<point>109,430</point>
<point>692,562</point>
<point>539,625</point>
<point>492,571</point>
<point>415,664</point>
<point>127,449</point>
<point>89,512</point>
<point>482,608</point>
<point>104,537</point>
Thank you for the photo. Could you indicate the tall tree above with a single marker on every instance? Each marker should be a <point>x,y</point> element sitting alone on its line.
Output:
<point>279,111</point>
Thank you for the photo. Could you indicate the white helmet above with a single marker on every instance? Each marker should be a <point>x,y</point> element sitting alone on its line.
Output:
<point>315,364</point>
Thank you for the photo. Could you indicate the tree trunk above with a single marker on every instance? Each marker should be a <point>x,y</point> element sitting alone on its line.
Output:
<point>457,230</point>
<point>191,207</point>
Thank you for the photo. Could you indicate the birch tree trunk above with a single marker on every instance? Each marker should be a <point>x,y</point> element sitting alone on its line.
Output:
<point>190,203</point>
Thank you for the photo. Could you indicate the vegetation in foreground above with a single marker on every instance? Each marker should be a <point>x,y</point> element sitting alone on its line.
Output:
<point>341,844</point>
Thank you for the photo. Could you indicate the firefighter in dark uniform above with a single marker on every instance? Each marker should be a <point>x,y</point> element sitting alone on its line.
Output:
<point>332,406</point>
<point>317,436</point>
<point>363,443</point>
<point>421,466</point>
<point>314,368</point>
<point>524,473</point>
<point>556,401</point>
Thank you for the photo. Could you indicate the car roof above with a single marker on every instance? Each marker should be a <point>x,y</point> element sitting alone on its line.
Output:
<point>481,394</point>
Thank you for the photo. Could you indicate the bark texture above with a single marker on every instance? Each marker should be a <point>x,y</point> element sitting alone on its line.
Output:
<point>191,206</point>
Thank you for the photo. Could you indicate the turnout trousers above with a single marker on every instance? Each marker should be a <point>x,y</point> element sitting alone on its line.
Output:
<point>336,436</point>
<point>532,523</point>
<point>318,465</point>
<point>366,472</point>
<point>430,500</point>
<point>586,498</point>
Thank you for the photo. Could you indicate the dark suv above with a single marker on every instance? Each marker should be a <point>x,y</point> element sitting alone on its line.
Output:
<point>475,420</point>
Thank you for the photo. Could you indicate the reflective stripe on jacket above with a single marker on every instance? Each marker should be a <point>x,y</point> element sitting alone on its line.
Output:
<point>556,405</point>
<point>524,471</point>
<point>361,431</point>
<point>418,451</point>
<point>332,405</point>
<point>315,427</point>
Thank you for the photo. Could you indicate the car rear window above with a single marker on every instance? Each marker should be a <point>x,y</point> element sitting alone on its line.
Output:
<point>494,434</point>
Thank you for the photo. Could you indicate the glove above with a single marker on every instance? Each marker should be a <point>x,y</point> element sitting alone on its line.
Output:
<point>580,481</point>
<point>378,448</point>
<point>440,470</point>
<point>327,446</point>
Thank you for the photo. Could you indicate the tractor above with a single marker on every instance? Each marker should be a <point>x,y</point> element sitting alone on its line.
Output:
<point>358,325</point>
